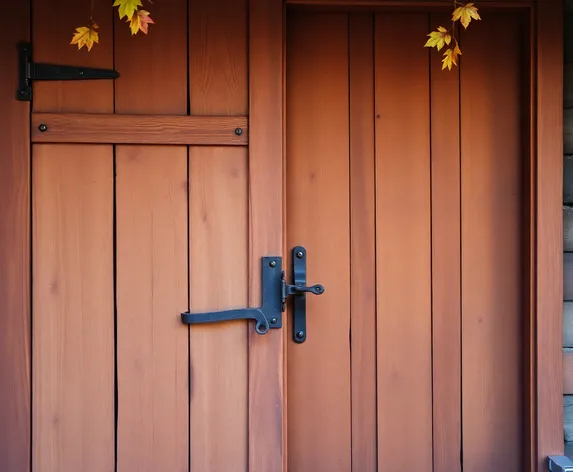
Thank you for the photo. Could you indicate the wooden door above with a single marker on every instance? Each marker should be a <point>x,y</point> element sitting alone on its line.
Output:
<point>407,186</point>
<point>143,207</point>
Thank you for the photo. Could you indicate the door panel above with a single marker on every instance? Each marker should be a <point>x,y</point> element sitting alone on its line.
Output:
<point>73,330</point>
<point>152,363</point>
<point>403,271</point>
<point>492,158</point>
<point>318,214</point>
<point>432,219</point>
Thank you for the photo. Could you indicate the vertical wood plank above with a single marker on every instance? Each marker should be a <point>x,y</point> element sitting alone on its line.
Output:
<point>446,283</point>
<point>362,240</point>
<point>218,57</point>
<point>73,339</point>
<point>153,67</point>
<point>14,252</point>
<point>152,290</point>
<point>492,247</point>
<point>152,357</point>
<point>53,26</point>
<point>549,296</point>
<point>218,271</point>
<point>73,298</point>
<point>318,195</point>
<point>403,253</point>
<point>267,432</point>
<point>218,235</point>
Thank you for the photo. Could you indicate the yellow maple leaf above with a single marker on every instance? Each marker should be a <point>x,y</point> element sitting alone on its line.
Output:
<point>465,14</point>
<point>451,57</point>
<point>85,36</point>
<point>140,22</point>
<point>127,7</point>
<point>439,38</point>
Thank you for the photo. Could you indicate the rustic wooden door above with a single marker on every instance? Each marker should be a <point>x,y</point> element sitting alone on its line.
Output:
<point>143,208</point>
<point>407,186</point>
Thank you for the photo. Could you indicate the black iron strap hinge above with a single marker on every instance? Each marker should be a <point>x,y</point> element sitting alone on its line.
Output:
<point>275,292</point>
<point>31,71</point>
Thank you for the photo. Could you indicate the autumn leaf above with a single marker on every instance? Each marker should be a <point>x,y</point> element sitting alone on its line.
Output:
<point>127,7</point>
<point>465,14</point>
<point>439,38</point>
<point>451,57</point>
<point>86,36</point>
<point>140,22</point>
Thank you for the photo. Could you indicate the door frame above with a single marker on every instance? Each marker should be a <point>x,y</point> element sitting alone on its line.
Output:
<point>267,400</point>
<point>543,377</point>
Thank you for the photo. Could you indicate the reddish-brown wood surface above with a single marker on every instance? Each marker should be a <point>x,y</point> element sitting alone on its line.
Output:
<point>139,129</point>
<point>547,390</point>
<point>363,245</point>
<point>267,433</point>
<point>73,329</point>
<point>492,247</point>
<point>318,217</point>
<point>151,268</point>
<point>403,252</point>
<point>218,281</point>
<point>151,252</point>
<point>218,222</point>
<point>14,253</point>
<point>446,283</point>
<point>73,299</point>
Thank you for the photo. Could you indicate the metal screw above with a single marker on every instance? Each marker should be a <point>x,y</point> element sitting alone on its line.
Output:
<point>43,127</point>
<point>22,92</point>
<point>273,263</point>
<point>81,72</point>
<point>300,335</point>
<point>238,131</point>
<point>274,321</point>
<point>299,254</point>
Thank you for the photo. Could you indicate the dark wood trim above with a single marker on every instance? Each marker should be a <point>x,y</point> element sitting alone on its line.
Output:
<point>547,267</point>
<point>15,406</point>
<point>107,128</point>
<point>267,399</point>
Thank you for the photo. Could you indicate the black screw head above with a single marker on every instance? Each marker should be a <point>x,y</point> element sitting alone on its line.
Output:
<point>300,335</point>
<point>273,263</point>
<point>43,127</point>
<point>299,254</point>
<point>273,321</point>
<point>238,131</point>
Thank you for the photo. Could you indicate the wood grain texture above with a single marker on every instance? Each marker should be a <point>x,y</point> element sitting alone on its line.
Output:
<point>140,129</point>
<point>567,372</point>
<point>218,270</point>
<point>363,244</point>
<point>53,25</point>
<point>319,381</point>
<point>446,276</point>
<point>14,253</point>
<point>152,362</point>
<point>492,248</point>
<point>151,239</point>
<point>568,324</point>
<point>73,303</point>
<point>219,220</point>
<point>267,432</point>
<point>153,67</point>
<point>218,57</point>
<point>403,251</point>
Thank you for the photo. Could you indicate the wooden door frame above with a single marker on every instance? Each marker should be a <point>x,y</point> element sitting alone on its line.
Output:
<point>544,324</point>
<point>267,399</point>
